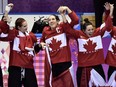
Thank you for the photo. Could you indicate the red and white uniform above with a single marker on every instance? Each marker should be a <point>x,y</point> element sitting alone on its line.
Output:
<point>111,55</point>
<point>111,59</point>
<point>21,52</point>
<point>3,27</point>
<point>59,51</point>
<point>90,50</point>
<point>58,41</point>
<point>58,46</point>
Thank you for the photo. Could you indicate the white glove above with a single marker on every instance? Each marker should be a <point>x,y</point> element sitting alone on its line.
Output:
<point>8,7</point>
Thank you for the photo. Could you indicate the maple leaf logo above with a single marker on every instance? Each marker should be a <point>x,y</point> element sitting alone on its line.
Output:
<point>114,48</point>
<point>54,45</point>
<point>90,46</point>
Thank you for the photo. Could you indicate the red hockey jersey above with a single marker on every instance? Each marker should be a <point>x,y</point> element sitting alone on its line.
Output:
<point>57,40</point>
<point>90,49</point>
<point>21,48</point>
<point>111,54</point>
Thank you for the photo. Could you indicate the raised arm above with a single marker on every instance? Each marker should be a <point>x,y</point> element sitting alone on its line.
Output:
<point>108,25</point>
<point>108,22</point>
<point>5,19</point>
<point>62,11</point>
<point>7,10</point>
<point>72,15</point>
<point>5,33</point>
<point>108,10</point>
<point>72,32</point>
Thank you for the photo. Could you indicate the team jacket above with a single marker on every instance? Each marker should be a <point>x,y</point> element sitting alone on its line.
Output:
<point>21,48</point>
<point>90,49</point>
<point>111,54</point>
<point>57,40</point>
<point>3,27</point>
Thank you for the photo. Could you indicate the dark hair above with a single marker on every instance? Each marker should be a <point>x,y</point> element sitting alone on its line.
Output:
<point>19,22</point>
<point>85,24</point>
<point>56,16</point>
<point>2,18</point>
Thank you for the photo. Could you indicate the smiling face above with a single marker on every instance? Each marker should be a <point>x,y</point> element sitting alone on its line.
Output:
<point>53,22</point>
<point>23,27</point>
<point>89,30</point>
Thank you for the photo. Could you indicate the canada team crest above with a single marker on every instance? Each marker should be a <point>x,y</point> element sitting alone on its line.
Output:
<point>57,42</point>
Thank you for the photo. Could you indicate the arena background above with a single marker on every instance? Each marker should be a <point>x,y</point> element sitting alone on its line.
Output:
<point>32,10</point>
